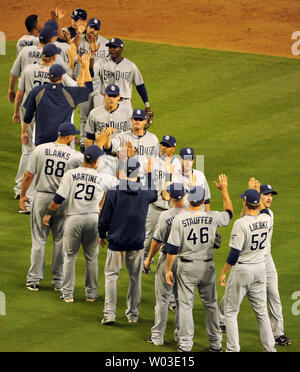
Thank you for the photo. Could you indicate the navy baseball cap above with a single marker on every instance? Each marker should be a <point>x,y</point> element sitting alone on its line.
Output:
<point>47,33</point>
<point>94,22</point>
<point>50,50</point>
<point>67,129</point>
<point>139,114</point>
<point>79,14</point>
<point>56,71</point>
<point>187,153</point>
<point>168,141</point>
<point>267,189</point>
<point>176,190</point>
<point>196,194</point>
<point>115,42</point>
<point>132,167</point>
<point>251,196</point>
<point>112,89</point>
<point>93,152</point>
<point>51,23</point>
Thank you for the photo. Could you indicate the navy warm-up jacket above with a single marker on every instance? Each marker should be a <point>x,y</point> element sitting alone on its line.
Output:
<point>52,105</point>
<point>124,214</point>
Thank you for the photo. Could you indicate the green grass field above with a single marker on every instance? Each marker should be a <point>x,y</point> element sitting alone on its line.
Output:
<point>241,111</point>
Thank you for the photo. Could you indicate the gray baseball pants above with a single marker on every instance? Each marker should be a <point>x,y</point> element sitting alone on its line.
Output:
<point>95,100</point>
<point>24,160</point>
<point>200,275</point>
<point>134,264</point>
<point>250,280</point>
<point>151,222</point>
<point>81,229</point>
<point>163,294</point>
<point>39,234</point>
<point>273,297</point>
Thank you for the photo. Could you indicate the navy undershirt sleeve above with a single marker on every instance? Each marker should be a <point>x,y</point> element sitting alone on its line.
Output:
<point>142,92</point>
<point>58,199</point>
<point>233,256</point>
<point>172,249</point>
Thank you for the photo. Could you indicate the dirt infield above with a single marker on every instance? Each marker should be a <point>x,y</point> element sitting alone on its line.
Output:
<point>254,26</point>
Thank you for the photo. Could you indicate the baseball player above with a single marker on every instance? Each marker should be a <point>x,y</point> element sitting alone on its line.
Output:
<point>163,291</point>
<point>192,239</point>
<point>83,189</point>
<point>52,104</point>
<point>112,116</point>
<point>48,164</point>
<point>248,243</point>
<point>121,71</point>
<point>123,217</point>
<point>32,37</point>
<point>164,167</point>
<point>94,43</point>
<point>191,177</point>
<point>273,297</point>
<point>140,143</point>
<point>78,25</point>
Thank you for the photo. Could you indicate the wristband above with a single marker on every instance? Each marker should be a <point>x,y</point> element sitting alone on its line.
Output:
<point>147,104</point>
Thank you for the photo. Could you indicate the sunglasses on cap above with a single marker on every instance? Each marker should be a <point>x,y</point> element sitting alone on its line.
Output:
<point>138,119</point>
<point>113,95</point>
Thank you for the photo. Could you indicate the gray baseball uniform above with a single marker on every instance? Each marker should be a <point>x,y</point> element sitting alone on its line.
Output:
<point>83,188</point>
<point>273,297</point>
<point>192,235</point>
<point>123,74</point>
<point>48,162</point>
<point>33,54</point>
<point>95,98</point>
<point>155,209</point>
<point>249,235</point>
<point>145,145</point>
<point>33,75</point>
<point>200,181</point>
<point>163,291</point>
<point>26,40</point>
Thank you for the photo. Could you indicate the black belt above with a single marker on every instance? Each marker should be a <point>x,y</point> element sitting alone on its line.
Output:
<point>125,99</point>
<point>186,260</point>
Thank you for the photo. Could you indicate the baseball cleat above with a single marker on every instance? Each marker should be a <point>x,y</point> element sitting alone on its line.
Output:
<point>155,341</point>
<point>69,300</point>
<point>91,299</point>
<point>182,350</point>
<point>32,286</point>
<point>283,341</point>
<point>24,212</point>
<point>57,289</point>
<point>108,321</point>
<point>173,308</point>
<point>17,196</point>
<point>132,320</point>
<point>223,328</point>
<point>213,350</point>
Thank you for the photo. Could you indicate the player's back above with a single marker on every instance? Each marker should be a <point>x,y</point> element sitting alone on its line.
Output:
<point>26,40</point>
<point>194,233</point>
<point>28,55</point>
<point>33,75</point>
<point>49,162</point>
<point>250,235</point>
<point>84,188</point>
<point>163,227</point>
